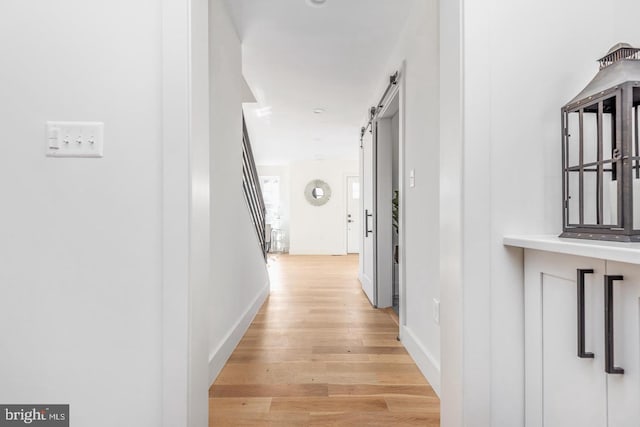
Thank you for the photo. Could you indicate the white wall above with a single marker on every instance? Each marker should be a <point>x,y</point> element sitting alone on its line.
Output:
<point>80,239</point>
<point>418,46</point>
<point>497,197</point>
<point>240,281</point>
<point>281,171</point>
<point>319,230</point>
<point>453,391</point>
<point>104,263</point>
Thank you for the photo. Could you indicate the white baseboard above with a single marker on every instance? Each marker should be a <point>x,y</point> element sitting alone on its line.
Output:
<point>425,360</point>
<point>224,350</point>
<point>316,253</point>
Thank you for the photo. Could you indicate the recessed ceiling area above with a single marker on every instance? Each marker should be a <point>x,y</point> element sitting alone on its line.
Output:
<point>315,69</point>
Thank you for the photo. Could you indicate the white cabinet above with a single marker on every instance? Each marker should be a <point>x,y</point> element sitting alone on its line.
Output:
<point>623,391</point>
<point>565,385</point>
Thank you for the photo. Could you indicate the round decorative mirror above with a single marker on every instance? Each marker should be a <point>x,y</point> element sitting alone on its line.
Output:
<point>317,192</point>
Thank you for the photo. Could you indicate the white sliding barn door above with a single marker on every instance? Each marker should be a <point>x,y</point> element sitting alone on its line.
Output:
<point>368,246</point>
<point>377,245</point>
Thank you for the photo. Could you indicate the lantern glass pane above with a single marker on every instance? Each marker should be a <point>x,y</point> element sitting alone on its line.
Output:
<point>590,196</point>
<point>610,180</point>
<point>573,163</point>
<point>610,190</point>
<point>634,137</point>
<point>607,135</point>
<point>573,202</point>
<point>573,139</point>
<point>590,137</point>
<point>635,144</point>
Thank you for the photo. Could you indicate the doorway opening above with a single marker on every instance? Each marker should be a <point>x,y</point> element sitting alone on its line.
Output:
<point>388,188</point>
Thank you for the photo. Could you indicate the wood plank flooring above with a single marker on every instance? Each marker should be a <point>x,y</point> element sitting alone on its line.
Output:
<point>318,354</point>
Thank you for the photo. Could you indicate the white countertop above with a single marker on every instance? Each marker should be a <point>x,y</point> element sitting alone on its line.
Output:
<point>614,251</point>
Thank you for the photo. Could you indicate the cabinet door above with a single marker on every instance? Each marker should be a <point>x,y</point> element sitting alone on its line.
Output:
<point>574,388</point>
<point>562,389</point>
<point>624,389</point>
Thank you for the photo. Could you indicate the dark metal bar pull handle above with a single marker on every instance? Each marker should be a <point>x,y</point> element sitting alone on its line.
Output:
<point>608,325</point>
<point>581,327</point>
<point>367,215</point>
<point>366,226</point>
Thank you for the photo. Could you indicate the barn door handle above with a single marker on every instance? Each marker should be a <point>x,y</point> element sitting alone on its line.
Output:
<point>581,326</point>
<point>367,215</point>
<point>608,326</point>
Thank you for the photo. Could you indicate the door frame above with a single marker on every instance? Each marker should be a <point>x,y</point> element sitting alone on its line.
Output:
<point>397,90</point>
<point>185,212</point>
<point>402,198</point>
<point>400,91</point>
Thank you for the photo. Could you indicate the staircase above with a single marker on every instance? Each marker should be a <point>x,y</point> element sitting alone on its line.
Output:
<point>251,189</point>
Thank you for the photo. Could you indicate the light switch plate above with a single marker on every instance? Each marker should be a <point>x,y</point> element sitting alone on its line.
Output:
<point>74,139</point>
<point>436,311</point>
<point>412,178</point>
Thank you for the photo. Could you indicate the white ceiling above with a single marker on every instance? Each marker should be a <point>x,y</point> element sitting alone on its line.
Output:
<point>298,58</point>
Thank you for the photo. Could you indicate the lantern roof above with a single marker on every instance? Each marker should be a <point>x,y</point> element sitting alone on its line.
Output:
<point>621,64</point>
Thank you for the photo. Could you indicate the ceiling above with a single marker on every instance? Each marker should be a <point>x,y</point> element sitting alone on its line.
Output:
<point>298,58</point>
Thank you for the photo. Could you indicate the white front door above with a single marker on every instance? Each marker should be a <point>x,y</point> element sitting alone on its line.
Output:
<point>353,214</point>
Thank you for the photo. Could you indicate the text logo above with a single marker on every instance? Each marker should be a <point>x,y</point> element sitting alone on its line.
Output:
<point>34,415</point>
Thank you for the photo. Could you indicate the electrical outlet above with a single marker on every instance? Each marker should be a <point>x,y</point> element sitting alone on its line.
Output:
<point>74,139</point>
<point>436,311</point>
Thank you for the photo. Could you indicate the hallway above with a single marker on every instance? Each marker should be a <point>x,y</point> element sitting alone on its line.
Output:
<point>317,353</point>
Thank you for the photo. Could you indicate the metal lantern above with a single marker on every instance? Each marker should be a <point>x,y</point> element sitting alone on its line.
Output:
<point>600,153</point>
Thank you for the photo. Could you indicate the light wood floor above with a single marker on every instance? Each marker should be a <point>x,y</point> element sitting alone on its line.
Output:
<point>318,354</point>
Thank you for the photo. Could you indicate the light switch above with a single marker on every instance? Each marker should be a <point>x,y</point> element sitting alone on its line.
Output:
<point>74,139</point>
<point>54,138</point>
<point>412,178</point>
<point>436,311</point>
